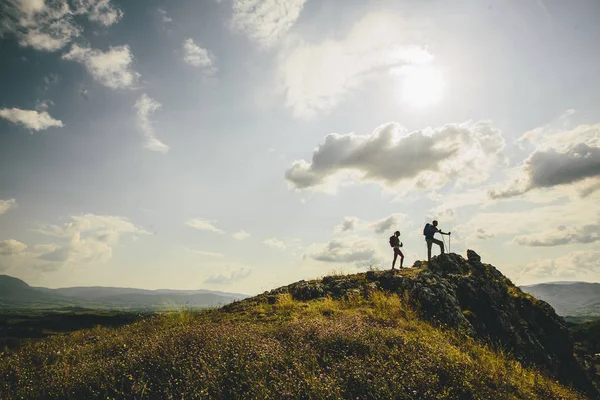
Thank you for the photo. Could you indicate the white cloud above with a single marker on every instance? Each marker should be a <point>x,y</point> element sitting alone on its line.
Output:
<point>165,19</point>
<point>206,253</point>
<point>100,11</point>
<point>574,265</point>
<point>357,250</point>
<point>560,158</point>
<point>31,119</point>
<point>6,205</point>
<point>50,25</point>
<point>203,225</point>
<point>422,159</point>
<point>229,276</point>
<point>89,238</point>
<point>265,21</point>
<point>11,246</point>
<point>145,107</point>
<point>199,57</point>
<point>530,226</point>
<point>241,235</point>
<point>561,236</point>
<point>316,77</point>
<point>111,68</point>
<point>275,243</point>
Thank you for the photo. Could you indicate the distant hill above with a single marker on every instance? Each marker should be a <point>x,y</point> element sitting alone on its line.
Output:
<point>580,299</point>
<point>15,293</point>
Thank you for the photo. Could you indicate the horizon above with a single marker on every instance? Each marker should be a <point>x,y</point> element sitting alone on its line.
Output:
<point>229,146</point>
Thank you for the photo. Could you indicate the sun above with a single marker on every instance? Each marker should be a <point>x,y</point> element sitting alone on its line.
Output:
<point>421,86</point>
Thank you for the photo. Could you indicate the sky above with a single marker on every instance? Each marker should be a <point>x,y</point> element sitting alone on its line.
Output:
<point>242,145</point>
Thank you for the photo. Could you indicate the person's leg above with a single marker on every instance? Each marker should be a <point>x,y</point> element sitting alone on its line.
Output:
<point>440,243</point>
<point>401,258</point>
<point>395,256</point>
<point>428,250</point>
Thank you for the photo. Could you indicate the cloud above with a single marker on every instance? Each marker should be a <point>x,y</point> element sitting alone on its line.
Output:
<point>146,106</point>
<point>561,236</point>
<point>482,234</point>
<point>241,235</point>
<point>199,57</point>
<point>576,264</point>
<point>347,225</point>
<point>50,25</point>
<point>390,156</point>
<point>165,19</point>
<point>229,276</point>
<point>388,223</point>
<point>30,119</point>
<point>111,68</point>
<point>560,158</point>
<point>316,77</point>
<point>265,21</point>
<point>205,253</point>
<point>100,11</point>
<point>353,224</point>
<point>11,246</point>
<point>203,225</point>
<point>442,213</point>
<point>274,243</point>
<point>353,249</point>
<point>6,205</point>
<point>86,238</point>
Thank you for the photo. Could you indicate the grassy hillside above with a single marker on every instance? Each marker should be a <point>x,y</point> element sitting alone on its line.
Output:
<point>355,347</point>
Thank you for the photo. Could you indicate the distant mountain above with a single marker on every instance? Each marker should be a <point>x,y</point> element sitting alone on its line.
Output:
<point>569,298</point>
<point>14,293</point>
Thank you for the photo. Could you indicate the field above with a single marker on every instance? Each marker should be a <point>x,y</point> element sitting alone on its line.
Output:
<point>25,325</point>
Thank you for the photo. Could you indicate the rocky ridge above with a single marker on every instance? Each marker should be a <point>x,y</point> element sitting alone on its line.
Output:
<point>467,295</point>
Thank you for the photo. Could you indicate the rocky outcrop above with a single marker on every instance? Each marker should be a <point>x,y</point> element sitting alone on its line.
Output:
<point>470,296</point>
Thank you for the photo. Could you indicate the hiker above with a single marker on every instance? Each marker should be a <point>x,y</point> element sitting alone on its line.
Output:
<point>396,244</point>
<point>429,231</point>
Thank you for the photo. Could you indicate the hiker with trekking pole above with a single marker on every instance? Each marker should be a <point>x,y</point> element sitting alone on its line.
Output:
<point>429,231</point>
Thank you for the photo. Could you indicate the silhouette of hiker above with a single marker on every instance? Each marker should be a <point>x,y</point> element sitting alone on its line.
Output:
<point>396,244</point>
<point>429,231</point>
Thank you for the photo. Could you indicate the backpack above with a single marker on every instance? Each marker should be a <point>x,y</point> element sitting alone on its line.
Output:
<point>427,229</point>
<point>393,241</point>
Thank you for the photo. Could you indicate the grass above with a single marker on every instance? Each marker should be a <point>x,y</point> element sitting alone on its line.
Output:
<point>355,347</point>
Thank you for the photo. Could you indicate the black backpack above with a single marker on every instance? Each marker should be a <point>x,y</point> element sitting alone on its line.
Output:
<point>393,241</point>
<point>427,229</point>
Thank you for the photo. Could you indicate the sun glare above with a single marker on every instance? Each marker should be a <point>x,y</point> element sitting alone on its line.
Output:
<point>421,86</point>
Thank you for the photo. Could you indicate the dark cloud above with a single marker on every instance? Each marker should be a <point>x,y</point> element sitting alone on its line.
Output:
<point>389,155</point>
<point>349,250</point>
<point>549,168</point>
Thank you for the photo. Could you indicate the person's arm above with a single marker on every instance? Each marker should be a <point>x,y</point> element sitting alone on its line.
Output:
<point>443,233</point>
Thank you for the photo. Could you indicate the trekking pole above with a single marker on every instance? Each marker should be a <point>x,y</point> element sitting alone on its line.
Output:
<point>449,242</point>
<point>443,240</point>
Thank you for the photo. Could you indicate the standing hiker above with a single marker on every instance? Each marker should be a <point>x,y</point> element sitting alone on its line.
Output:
<point>429,231</point>
<point>396,244</point>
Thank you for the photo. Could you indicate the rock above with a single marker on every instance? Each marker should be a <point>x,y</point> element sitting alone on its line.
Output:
<point>470,296</point>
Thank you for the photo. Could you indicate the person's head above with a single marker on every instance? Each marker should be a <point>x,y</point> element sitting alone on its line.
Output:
<point>397,233</point>
<point>435,222</point>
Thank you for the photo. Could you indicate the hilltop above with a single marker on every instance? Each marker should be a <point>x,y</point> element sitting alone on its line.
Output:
<point>457,329</point>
